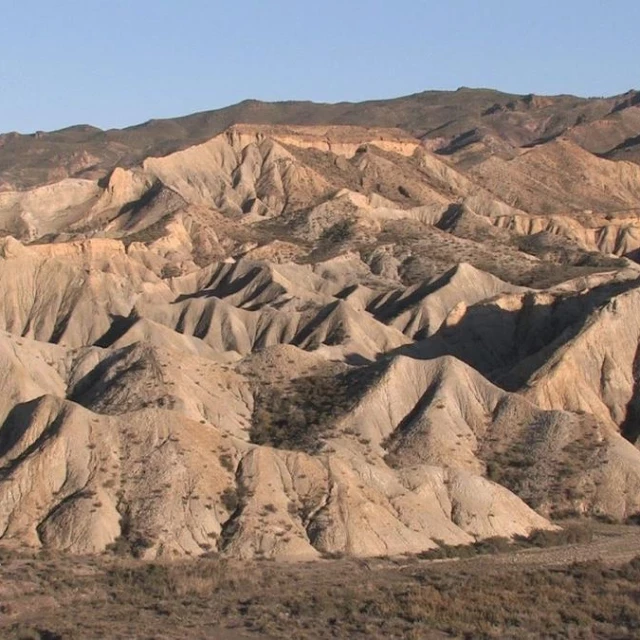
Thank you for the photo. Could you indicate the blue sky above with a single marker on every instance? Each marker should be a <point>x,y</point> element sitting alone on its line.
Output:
<point>115,63</point>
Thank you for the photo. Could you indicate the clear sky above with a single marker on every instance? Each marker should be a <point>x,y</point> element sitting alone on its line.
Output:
<point>114,63</point>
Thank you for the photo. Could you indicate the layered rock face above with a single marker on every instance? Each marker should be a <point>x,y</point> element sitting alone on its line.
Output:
<point>292,340</point>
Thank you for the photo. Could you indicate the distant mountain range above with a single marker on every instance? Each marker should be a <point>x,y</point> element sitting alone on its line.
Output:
<point>444,120</point>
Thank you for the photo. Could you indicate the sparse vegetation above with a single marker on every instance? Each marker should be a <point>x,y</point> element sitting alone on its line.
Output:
<point>131,542</point>
<point>538,539</point>
<point>300,415</point>
<point>230,499</point>
<point>334,598</point>
<point>341,231</point>
<point>226,462</point>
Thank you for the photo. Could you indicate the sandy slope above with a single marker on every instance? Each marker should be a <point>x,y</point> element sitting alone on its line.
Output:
<point>293,341</point>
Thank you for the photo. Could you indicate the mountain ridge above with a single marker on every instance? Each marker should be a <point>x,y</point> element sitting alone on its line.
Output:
<point>447,113</point>
<point>291,340</point>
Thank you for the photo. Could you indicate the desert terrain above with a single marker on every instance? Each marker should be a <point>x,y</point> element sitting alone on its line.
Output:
<point>343,338</point>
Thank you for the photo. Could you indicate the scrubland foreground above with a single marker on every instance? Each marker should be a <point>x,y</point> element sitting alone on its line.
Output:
<point>523,589</point>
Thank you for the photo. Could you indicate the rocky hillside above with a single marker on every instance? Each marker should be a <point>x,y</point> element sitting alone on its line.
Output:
<point>293,330</point>
<point>447,121</point>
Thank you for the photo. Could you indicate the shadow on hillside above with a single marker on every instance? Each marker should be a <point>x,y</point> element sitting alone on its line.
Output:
<point>228,286</point>
<point>507,347</point>
<point>119,326</point>
<point>16,425</point>
<point>630,427</point>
